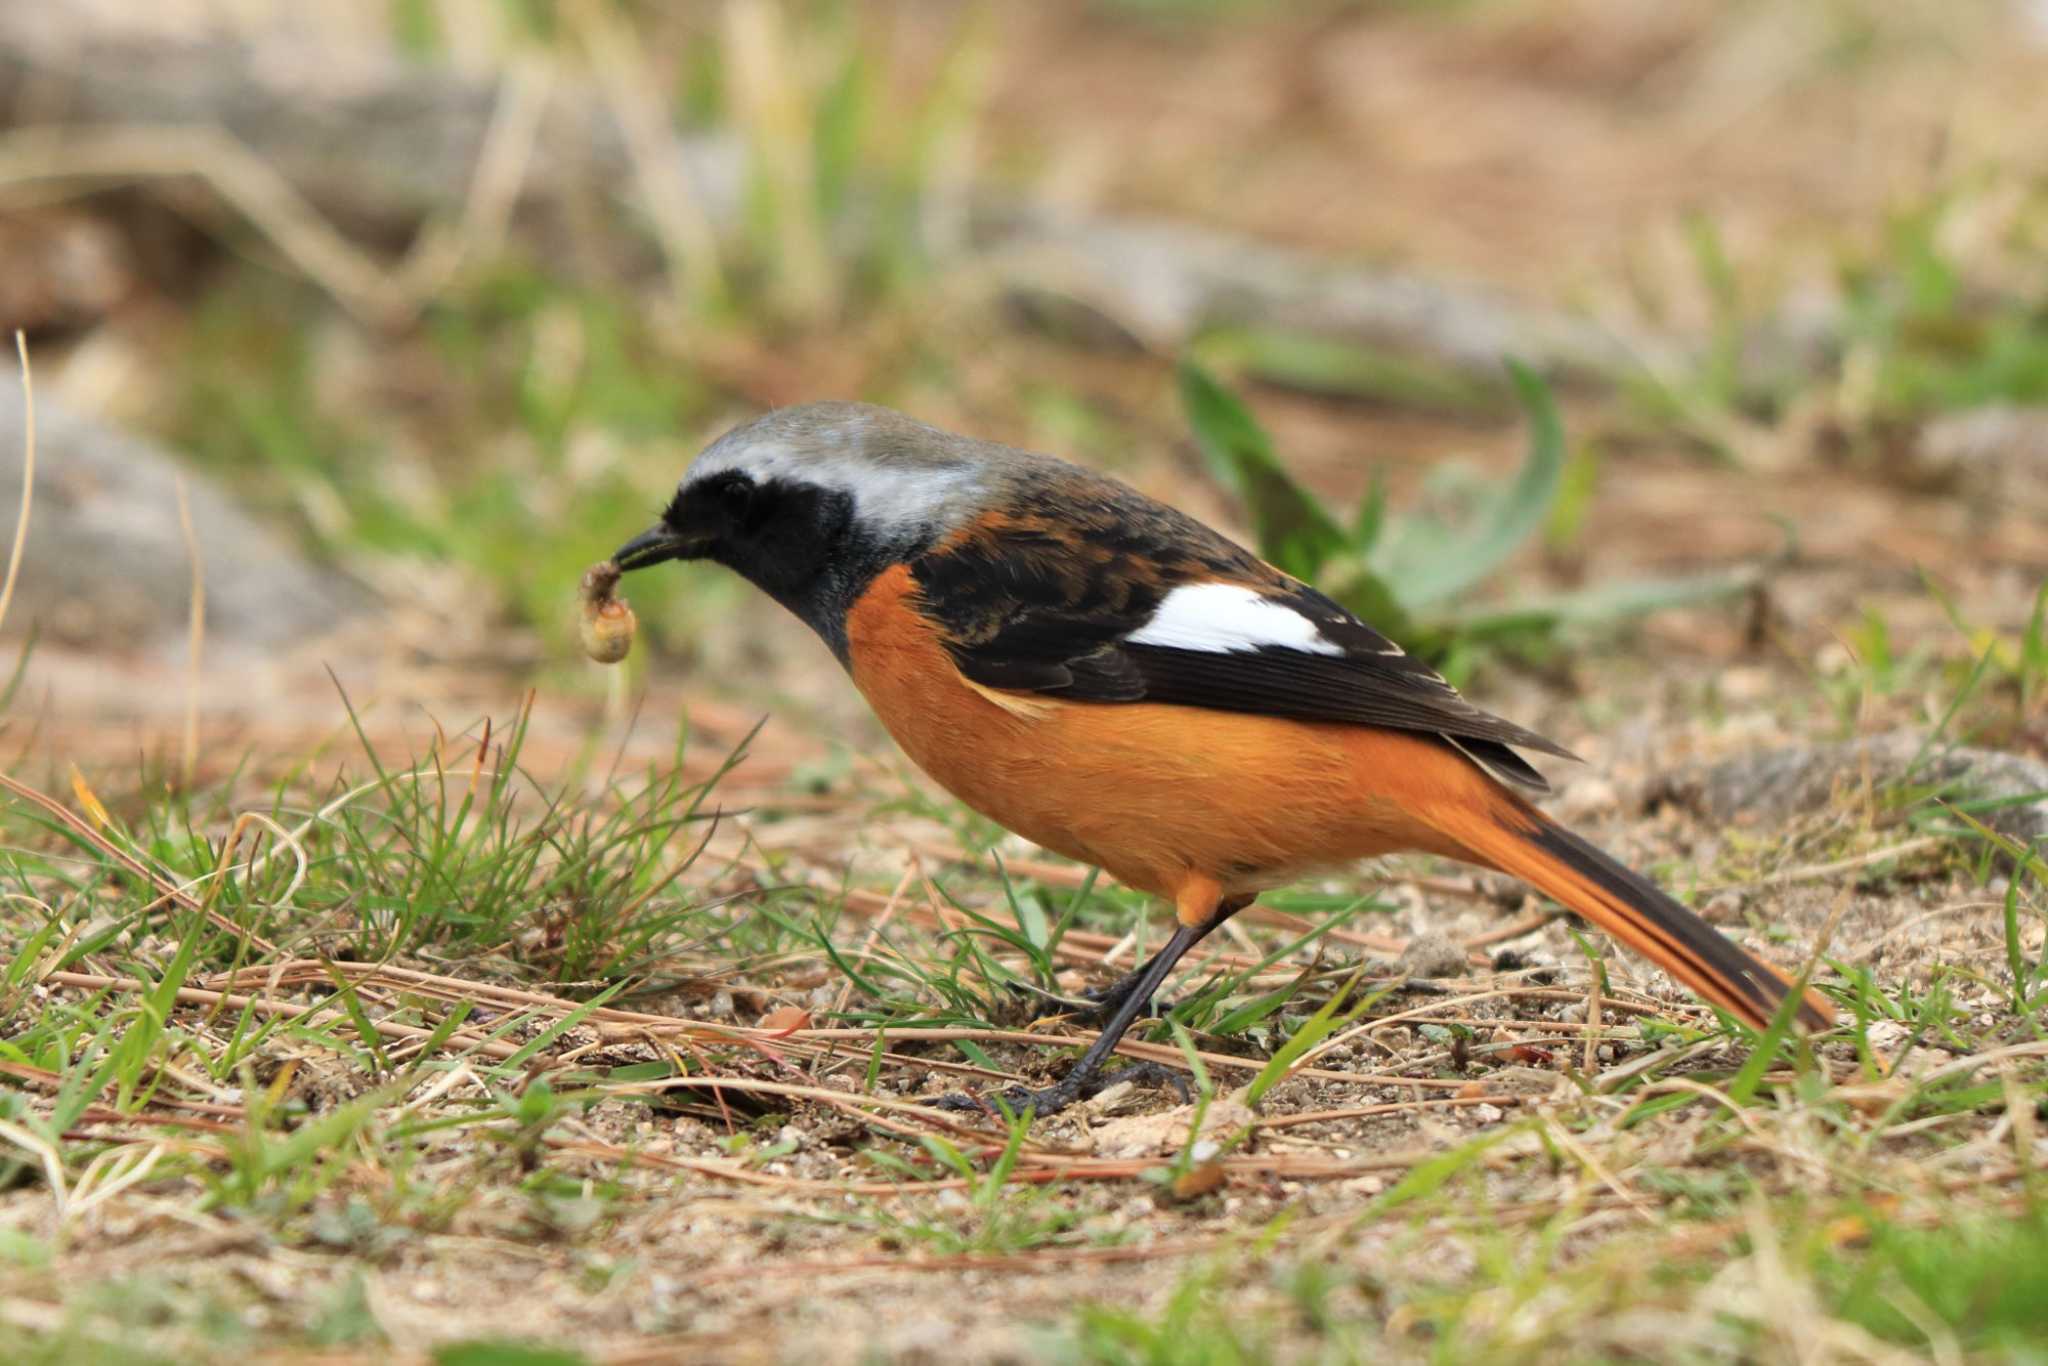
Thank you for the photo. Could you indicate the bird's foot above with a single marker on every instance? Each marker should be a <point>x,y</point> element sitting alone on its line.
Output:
<point>1050,1100</point>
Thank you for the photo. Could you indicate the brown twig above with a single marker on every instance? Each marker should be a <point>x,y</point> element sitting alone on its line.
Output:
<point>264,1005</point>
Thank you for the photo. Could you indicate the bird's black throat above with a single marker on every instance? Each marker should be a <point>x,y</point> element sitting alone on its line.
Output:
<point>799,543</point>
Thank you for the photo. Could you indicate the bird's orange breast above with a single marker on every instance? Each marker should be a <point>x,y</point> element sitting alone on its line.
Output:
<point>1153,794</point>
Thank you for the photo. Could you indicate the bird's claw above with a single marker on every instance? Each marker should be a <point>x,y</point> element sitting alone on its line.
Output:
<point>1053,1002</point>
<point>1050,1100</point>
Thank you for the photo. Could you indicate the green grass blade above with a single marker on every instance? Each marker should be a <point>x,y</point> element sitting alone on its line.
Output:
<point>1345,369</point>
<point>1505,521</point>
<point>546,1038</point>
<point>1319,1026</point>
<point>1427,1178</point>
<point>1293,530</point>
<point>2033,652</point>
<point>1764,1053</point>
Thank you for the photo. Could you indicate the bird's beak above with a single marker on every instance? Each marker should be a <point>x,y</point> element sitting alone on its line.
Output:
<point>654,545</point>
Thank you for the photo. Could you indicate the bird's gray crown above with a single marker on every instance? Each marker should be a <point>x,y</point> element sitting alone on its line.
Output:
<point>899,472</point>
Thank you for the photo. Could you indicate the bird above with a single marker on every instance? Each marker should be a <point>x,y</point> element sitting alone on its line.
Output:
<point>1119,683</point>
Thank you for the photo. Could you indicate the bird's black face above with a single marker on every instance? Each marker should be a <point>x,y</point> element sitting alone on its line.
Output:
<point>798,542</point>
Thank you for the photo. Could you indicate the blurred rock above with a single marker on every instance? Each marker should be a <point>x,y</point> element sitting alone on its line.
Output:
<point>360,129</point>
<point>1786,783</point>
<point>1166,282</point>
<point>64,268</point>
<point>377,139</point>
<point>106,565</point>
<point>1996,455</point>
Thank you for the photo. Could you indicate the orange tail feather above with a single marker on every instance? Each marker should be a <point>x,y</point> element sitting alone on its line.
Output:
<point>1515,838</point>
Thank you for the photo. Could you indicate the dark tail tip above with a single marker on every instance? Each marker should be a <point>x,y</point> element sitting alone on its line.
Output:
<point>1757,988</point>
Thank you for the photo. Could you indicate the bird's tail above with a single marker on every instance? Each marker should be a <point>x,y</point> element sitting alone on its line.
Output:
<point>1510,835</point>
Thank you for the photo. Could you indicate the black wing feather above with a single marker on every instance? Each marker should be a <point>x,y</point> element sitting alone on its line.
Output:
<point>1027,605</point>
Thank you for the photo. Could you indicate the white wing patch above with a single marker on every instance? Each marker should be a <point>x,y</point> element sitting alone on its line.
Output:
<point>1228,618</point>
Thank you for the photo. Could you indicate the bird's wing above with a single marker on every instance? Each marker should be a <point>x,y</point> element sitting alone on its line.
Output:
<point>1125,600</point>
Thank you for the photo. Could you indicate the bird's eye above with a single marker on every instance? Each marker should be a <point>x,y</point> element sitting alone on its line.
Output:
<point>735,498</point>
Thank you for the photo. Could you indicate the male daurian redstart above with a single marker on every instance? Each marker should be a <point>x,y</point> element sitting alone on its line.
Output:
<point>1114,681</point>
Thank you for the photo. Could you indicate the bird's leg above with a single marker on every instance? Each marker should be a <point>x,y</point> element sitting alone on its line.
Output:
<point>1197,907</point>
<point>1103,1000</point>
<point>1091,1003</point>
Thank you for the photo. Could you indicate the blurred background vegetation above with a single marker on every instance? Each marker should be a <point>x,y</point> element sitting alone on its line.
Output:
<point>451,290</point>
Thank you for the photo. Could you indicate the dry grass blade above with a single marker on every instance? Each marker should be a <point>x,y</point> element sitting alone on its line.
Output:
<point>253,186</point>
<point>767,84</point>
<point>92,835</point>
<point>501,167</point>
<point>188,754</point>
<point>1817,872</point>
<point>1391,1108</point>
<point>689,244</point>
<point>28,474</point>
<point>291,1010</point>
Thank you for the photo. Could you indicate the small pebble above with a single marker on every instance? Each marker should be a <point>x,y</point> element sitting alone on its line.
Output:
<point>1722,908</point>
<point>1434,955</point>
<point>1587,797</point>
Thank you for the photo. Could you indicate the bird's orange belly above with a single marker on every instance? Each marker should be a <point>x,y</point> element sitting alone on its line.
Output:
<point>1152,794</point>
